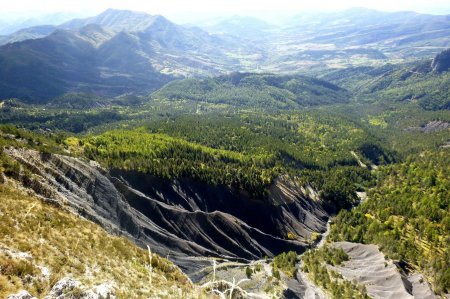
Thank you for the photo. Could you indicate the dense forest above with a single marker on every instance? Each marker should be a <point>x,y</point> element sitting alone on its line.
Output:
<point>265,91</point>
<point>170,158</point>
<point>311,138</point>
<point>248,151</point>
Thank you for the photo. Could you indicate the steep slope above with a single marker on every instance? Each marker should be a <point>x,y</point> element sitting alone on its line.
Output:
<point>441,63</point>
<point>354,270</point>
<point>33,68</point>
<point>173,48</point>
<point>115,53</point>
<point>117,20</point>
<point>27,33</point>
<point>425,82</point>
<point>46,250</point>
<point>406,214</point>
<point>70,61</point>
<point>181,217</point>
<point>368,266</point>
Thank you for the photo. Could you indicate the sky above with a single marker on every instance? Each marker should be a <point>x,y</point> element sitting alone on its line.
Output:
<point>179,9</point>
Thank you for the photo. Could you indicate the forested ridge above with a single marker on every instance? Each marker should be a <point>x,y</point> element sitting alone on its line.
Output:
<point>247,151</point>
<point>416,82</point>
<point>264,91</point>
<point>170,158</point>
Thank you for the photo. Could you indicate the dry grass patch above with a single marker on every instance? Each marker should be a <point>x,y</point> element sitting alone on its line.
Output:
<point>70,246</point>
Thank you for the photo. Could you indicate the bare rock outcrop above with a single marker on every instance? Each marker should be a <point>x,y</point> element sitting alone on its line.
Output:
<point>431,127</point>
<point>420,287</point>
<point>21,295</point>
<point>382,278</point>
<point>69,288</point>
<point>180,218</point>
<point>63,288</point>
<point>441,63</point>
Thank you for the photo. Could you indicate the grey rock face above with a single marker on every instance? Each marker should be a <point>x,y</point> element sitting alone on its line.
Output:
<point>104,291</point>
<point>69,288</point>
<point>420,287</point>
<point>62,287</point>
<point>368,266</point>
<point>22,295</point>
<point>431,127</point>
<point>441,63</point>
<point>181,218</point>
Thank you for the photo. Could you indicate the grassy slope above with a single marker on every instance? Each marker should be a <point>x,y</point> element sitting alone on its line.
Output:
<point>71,246</point>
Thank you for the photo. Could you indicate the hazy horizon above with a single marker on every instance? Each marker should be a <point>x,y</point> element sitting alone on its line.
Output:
<point>182,11</point>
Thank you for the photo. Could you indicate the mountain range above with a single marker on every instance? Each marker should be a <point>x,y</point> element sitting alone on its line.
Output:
<point>114,53</point>
<point>119,52</point>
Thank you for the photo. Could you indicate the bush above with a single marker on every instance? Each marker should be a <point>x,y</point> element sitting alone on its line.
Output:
<point>286,262</point>
<point>248,272</point>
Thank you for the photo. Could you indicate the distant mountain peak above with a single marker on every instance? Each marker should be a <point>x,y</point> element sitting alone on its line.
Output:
<point>116,20</point>
<point>161,19</point>
<point>121,13</point>
<point>114,10</point>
